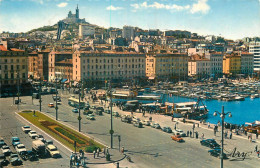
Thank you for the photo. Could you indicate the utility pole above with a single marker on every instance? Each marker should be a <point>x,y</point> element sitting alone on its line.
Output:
<point>56,100</point>
<point>18,94</point>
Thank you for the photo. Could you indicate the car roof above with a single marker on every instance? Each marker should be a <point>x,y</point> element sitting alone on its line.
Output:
<point>51,146</point>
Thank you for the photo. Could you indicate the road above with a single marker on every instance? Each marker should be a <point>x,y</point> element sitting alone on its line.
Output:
<point>147,146</point>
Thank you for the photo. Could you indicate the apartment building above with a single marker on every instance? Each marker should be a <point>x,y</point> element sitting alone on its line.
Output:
<point>63,70</point>
<point>232,64</point>
<point>13,69</point>
<point>54,57</point>
<point>216,63</point>
<point>107,65</point>
<point>162,66</point>
<point>247,63</point>
<point>199,66</point>
<point>254,48</point>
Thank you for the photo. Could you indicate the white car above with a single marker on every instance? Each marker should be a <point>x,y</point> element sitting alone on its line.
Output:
<point>53,151</point>
<point>26,129</point>
<point>6,150</point>
<point>33,134</point>
<point>146,122</point>
<point>178,132</point>
<point>20,148</point>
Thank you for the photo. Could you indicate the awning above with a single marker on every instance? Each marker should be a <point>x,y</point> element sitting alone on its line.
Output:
<point>63,80</point>
<point>151,77</point>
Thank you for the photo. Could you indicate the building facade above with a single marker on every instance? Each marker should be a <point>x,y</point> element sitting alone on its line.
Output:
<point>63,70</point>
<point>232,64</point>
<point>254,48</point>
<point>86,30</point>
<point>216,63</point>
<point>107,65</point>
<point>56,56</point>
<point>199,67</point>
<point>164,66</point>
<point>247,63</point>
<point>13,70</point>
<point>128,32</point>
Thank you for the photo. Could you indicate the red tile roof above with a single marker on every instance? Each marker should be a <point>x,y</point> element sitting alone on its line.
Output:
<point>2,48</point>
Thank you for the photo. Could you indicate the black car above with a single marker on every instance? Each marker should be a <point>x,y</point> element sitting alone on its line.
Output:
<point>210,143</point>
<point>32,156</point>
<point>3,161</point>
<point>100,108</point>
<point>216,153</point>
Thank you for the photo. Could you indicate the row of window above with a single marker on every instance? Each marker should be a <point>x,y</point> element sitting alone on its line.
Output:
<point>12,67</point>
<point>12,60</point>
<point>112,66</point>
<point>111,60</point>
<point>12,75</point>
<point>112,73</point>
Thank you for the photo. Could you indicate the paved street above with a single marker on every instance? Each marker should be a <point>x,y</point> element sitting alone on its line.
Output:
<point>147,146</point>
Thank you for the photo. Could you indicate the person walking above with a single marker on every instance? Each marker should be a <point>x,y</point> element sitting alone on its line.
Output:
<point>256,135</point>
<point>94,154</point>
<point>98,152</point>
<point>172,118</point>
<point>256,148</point>
<point>71,158</point>
<point>230,135</point>
<point>188,132</point>
<point>202,136</point>
<point>208,125</point>
<point>258,153</point>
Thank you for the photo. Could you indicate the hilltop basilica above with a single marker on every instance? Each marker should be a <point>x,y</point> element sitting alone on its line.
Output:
<point>74,18</point>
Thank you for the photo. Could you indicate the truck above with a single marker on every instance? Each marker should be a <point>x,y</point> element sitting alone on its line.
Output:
<point>38,147</point>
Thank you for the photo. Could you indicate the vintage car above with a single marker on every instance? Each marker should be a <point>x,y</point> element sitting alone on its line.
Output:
<point>177,138</point>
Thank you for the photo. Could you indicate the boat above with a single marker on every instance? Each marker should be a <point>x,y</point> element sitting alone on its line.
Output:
<point>148,97</point>
<point>239,98</point>
<point>191,110</point>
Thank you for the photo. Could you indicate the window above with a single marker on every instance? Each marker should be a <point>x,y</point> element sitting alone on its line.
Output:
<point>23,66</point>
<point>12,76</point>
<point>23,75</point>
<point>12,60</point>
<point>12,67</point>
<point>5,60</point>
<point>17,60</point>
<point>87,60</point>
<point>6,67</point>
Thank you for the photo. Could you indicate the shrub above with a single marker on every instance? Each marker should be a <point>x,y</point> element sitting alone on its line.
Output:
<point>91,148</point>
<point>67,134</point>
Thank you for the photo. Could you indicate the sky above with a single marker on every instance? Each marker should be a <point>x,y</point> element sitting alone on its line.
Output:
<point>232,19</point>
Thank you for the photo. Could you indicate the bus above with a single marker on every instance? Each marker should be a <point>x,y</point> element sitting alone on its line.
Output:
<point>75,103</point>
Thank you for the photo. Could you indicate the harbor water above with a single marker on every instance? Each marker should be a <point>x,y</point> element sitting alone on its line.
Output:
<point>242,111</point>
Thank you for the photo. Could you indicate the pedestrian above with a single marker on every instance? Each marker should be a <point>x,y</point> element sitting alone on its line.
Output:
<point>188,132</point>
<point>208,125</point>
<point>143,114</point>
<point>197,135</point>
<point>214,132</point>
<point>172,118</point>
<point>202,136</point>
<point>256,135</point>
<point>258,153</point>
<point>250,138</point>
<point>175,126</point>
<point>256,148</point>
<point>230,135</point>
<point>98,152</point>
<point>71,158</point>
<point>94,154</point>
<point>123,150</point>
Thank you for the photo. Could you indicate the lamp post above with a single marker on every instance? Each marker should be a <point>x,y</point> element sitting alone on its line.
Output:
<point>222,115</point>
<point>110,93</point>
<point>56,107</point>
<point>79,117</point>
<point>40,96</point>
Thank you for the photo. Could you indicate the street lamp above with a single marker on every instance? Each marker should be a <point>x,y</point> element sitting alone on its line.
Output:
<point>56,108</point>
<point>110,93</point>
<point>222,116</point>
<point>79,117</point>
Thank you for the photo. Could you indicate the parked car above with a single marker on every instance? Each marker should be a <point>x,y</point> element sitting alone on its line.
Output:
<point>167,129</point>
<point>211,143</point>
<point>91,117</point>
<point>48,142</point>
<point>216,153</point>
<point>135,119</point>
<point>146,122</point>
<point>20,148</point>
<point>3,161</point>
<point>32,134</point>
<point>156,125</point>
<point>107,111</point>
<point>53,151</point>
<point>116,114</point>
<point>40,137</point>
<point>6,150</point>
<point>177,138</point>
<point>26,129</point>
<point>15,141</point>
<point>14,160</point>
<point>138,124</point>
<point>126,118</point>
<point>100,108</point>
<point>75,110</point>
<point>51,105</point>
<point>2,142</point>
<point>87,112</point>
<point>99,112</point>
<point>178,132</point>
<point>32,156</point>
